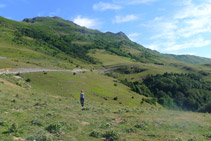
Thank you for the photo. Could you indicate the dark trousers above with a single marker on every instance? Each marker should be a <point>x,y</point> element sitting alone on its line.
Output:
<point>82,102</point>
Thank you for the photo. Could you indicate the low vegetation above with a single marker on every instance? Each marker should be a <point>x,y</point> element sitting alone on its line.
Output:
<point>40,114</point>
<point>144,95</point>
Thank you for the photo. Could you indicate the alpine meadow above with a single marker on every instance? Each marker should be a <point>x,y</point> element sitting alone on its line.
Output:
<point>131,92</point>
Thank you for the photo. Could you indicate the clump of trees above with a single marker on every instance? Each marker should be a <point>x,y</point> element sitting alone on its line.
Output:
<point>176,91</point>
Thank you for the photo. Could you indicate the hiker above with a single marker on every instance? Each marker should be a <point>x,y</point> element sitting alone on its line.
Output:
<point>82,98</point>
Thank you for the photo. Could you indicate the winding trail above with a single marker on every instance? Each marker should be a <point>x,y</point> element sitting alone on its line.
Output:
<point>28,70</point>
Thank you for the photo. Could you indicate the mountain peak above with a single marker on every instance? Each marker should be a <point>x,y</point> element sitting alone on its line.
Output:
<point>122,34</point>
<point>40,19</point>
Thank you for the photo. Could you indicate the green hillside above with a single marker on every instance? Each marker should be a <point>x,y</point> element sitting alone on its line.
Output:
<point>47,108</point>
<point>131,92</point>
<point>64,36</point>
<point>191,59</point>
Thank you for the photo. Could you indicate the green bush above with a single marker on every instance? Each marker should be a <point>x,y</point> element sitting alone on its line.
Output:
<point>111,135</point>
<point>206,108</point>
<point>40,136</point>
<point>13,128</point>
<point>2,122</point>
<point>95,134</point>
<point>151,101</point>
<point>36,122</point>
<point>208,135</point>
<point>142,125</point>
<point>131,130</point>
<point>28,80</point>
<point>106,125</point>
<point>115,98</point>
<point>54,128</point>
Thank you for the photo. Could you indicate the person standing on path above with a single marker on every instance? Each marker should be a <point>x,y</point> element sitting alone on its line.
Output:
<point>82,98</point>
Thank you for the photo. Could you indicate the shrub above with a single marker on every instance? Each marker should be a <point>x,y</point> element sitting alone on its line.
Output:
<point>85,109</point>
<point>178,139</point>
<point>206,108</point>
<point>19,84</point>
<point>105,125</point>
<point>208,135</point>
<point>13,128</point>
<point>14,101</point>
<point>115,98</point>
<point>142,126</point>
<point>28,80</point>
<point>2,122</point>
<point>54,128</point>
<point>131,130</point>
<point>18,74</point>
<point>68,126</point>
<point>151,101</point>
<point>36,122</point>
<point>95,134</point>
<point>193,139</point>
<point>111,135</point>
<point>40,136</point>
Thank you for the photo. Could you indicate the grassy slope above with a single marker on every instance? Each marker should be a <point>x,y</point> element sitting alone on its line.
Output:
<point>54,98</point>
<point>56,27</point>
<point>108,59</point>
<point>191,59</point>
<point>169,65</point>
<point>33,109</point>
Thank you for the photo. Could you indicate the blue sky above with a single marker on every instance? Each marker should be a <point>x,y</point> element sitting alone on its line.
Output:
<point>168,26</point>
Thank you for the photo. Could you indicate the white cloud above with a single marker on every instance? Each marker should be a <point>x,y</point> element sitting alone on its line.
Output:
<point>194,19</point>
<point>153,47</point>
<point>133,36</point>
<point>127,18</point>
<point>106,6</point>
<point>141,1</point>
<point>188,28</point>
<point>196,43</point>
<point>2,5</point>
<point>89,23</point>
<point>192,10</point>
<point>133,2</point>
<point>164,28</point>
<point>186,53</point>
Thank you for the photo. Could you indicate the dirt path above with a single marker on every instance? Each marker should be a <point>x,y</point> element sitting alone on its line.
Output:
<point>27,70</point>
<point>3,57</point>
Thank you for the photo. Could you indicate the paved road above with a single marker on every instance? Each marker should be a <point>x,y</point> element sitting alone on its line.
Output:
<point>3,57</point>
<point>27,70</point>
